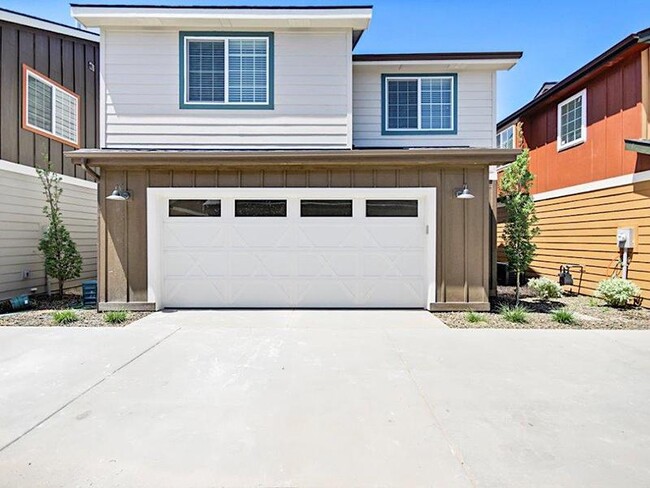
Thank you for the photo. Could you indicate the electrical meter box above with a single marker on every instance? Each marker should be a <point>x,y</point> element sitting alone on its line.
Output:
<point>625,237</point>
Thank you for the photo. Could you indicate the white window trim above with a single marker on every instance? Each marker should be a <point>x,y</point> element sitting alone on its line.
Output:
<point>583,126</point>
<point>226,80</point>
<point>498,141</point>
<point>419,80</point>
<point>29,72</point>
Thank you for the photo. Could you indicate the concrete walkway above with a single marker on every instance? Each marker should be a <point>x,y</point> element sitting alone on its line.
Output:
<point>322,399</point>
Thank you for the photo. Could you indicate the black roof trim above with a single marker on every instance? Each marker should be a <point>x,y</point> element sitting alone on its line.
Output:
<point>630,41</point>
<point>224,7</point>
<point>438,56</point>
<point>40,19</point>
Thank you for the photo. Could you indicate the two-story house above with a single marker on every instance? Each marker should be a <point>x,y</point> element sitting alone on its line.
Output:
<point>589,151</point>
<point>49,82</point>
<point>249,159</point>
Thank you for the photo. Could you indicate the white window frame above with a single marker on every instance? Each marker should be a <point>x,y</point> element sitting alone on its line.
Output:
<point>499,137</point>
<point>30,72</point>
<point>226,84</point>
<point>583,125</point>
<point>419,80</point>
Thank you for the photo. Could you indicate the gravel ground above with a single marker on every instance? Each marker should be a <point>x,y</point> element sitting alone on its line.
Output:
<point>40,315</point>
<point>589,312</point>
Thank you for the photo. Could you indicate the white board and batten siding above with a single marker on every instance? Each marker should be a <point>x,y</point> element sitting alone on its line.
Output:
<point>22,224</point>
<point>312,102</point>
<point>476,108</point>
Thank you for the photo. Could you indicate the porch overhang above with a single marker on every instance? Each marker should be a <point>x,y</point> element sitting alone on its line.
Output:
<point>288,159</point>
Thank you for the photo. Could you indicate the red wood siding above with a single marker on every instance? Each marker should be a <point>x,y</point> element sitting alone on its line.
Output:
<point>614,113</point>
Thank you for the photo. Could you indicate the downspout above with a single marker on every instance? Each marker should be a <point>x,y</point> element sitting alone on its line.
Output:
<point>92,172</point>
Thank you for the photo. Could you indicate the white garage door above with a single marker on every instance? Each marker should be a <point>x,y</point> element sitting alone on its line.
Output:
<point>272,248</point>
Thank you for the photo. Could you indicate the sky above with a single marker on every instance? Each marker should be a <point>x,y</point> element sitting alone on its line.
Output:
<point>556,36</point>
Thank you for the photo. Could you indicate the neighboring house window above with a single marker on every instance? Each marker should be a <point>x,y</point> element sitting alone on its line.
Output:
<point>50,109</point>
<point>572,121</point>
<point>226,70</point>
<point>506,138</point>
<point>419,104</point>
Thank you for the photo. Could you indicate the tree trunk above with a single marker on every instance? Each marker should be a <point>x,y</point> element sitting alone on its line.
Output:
<point>517,289</point>
<point>61,289</point>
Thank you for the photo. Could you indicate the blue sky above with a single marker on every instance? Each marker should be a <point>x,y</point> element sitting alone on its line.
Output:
<point>557,36</point>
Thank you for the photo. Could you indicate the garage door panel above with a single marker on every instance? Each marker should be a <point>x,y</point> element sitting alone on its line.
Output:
<point>294,261</point>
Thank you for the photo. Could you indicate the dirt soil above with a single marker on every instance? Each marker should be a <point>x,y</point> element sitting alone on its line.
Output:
<point>40,313</point>
<point>590,313</point>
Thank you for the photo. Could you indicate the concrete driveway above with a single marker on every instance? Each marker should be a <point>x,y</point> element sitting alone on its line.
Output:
<point>322,399</point>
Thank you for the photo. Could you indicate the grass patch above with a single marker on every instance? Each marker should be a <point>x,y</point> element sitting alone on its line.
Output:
<point>514,313</point>
<point>65,316</point>
<point>475,317</point>
<point>563,316</point>
<point>115,316</point>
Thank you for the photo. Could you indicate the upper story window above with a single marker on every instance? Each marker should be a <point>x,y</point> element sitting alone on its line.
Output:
<point>226,70</point>
<point>50,109</point>
<point>572,121</point>
<point>419,104</point>
<point>506,138</point>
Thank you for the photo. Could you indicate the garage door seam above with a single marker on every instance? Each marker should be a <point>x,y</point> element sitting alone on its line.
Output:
<point>74,399</point>
<point>454,450</point>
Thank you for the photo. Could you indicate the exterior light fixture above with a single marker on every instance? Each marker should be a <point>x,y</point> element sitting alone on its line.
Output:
<point>119,194</point>
<point>463,193</point>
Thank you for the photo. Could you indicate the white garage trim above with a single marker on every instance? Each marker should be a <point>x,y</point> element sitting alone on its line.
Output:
<point>157,205</point>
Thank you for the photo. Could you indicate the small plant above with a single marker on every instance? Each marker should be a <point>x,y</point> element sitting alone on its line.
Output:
<point>593,302</point>
<point>563,316</point>
<point>544,288</point>
<point>475,317</point>
<point>514,313</point>
<point>65,316</point>
<point>617,292</point>
<point>115,316</point>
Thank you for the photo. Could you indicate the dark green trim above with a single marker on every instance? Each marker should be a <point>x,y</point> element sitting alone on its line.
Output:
<point>224,106</point>
<point>418,132</point>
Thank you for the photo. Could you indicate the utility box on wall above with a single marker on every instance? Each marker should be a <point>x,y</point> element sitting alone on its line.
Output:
<point>625,237</point>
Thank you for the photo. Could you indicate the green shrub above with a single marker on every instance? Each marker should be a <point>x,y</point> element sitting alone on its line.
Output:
<point>115,317</point>
<point>544,288</point>
<point>563,316</point>
<point>474,317</point>
<point>65,316</point>
<point>514,313</point>
<point>617,292</point>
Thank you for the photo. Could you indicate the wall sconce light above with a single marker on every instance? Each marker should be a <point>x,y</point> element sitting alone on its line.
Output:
<point>463,193</point>
<point>119,194</point>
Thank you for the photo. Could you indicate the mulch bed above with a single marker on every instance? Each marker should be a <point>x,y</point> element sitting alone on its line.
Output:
<point>590,313</point>
<point>40,314</point>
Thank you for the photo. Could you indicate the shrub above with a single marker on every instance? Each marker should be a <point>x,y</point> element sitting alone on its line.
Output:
<point>563,316</point>
<point>517,313</point>
<point>474,317</point>
<point>65,316</point>
<point>115,317</point>
<point>617,291</point>
<point>544,288</point>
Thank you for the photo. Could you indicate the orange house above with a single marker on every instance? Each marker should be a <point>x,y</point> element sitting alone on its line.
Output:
<point>589,144</point>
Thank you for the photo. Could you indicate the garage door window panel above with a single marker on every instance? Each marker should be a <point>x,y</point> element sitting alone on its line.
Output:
<point>391,208</point>
<point>326,208</point>
<point>260,208</point>
<point>195,208</point>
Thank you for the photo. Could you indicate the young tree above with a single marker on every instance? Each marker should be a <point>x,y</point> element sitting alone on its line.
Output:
<point>62,259</point>
<point>520,228</point>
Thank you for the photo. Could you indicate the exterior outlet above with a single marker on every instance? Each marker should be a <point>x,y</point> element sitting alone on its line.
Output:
<point>26,274</point>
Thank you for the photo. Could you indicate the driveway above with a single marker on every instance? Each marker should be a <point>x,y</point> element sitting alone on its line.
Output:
<point>322,399</point>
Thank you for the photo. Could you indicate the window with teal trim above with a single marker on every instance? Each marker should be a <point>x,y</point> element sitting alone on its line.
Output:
<point>419,104</point>
<point>224,70</point>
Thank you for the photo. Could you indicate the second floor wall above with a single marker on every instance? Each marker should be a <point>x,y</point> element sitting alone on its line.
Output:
<point>310,92</point>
